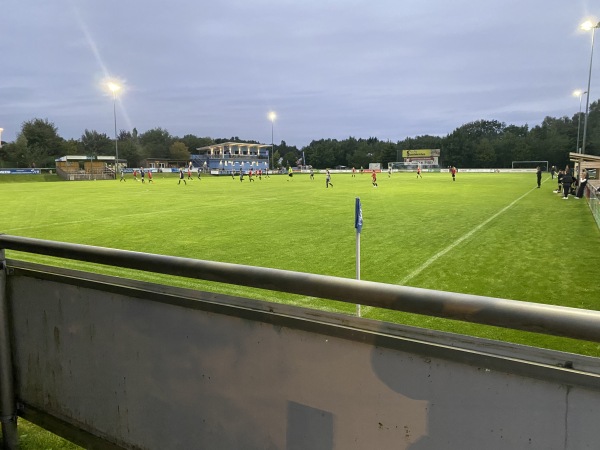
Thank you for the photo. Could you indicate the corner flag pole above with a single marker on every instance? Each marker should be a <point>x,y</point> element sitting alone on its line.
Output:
<point>358,223</point>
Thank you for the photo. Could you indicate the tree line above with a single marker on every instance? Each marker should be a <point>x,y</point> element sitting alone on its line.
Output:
<point>478,144</point>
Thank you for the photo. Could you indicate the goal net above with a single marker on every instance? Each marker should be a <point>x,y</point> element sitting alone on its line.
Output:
<point>397,166</point>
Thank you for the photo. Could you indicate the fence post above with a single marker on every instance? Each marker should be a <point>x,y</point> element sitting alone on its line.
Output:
<point>8,407</point>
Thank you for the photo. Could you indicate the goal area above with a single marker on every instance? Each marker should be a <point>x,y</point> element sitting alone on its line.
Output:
<point>530,165</point>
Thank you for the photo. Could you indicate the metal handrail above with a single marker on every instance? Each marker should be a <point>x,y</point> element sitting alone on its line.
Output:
<point>540,318</point>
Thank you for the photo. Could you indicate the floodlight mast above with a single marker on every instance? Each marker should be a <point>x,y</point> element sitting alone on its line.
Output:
<point>587,26</point>
<point>272,117</point>
<point>114,88</point>
<point>578,93</point>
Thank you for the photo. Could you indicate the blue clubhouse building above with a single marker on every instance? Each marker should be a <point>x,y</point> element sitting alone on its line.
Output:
<point>231,157</point>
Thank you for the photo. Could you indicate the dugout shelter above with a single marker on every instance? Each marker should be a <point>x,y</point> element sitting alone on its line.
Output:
<point>591,163</point>
<point>79,168</point>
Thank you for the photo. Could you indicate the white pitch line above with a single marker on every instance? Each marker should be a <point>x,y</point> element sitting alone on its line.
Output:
<point>466,236</point>
<point>76,222</point>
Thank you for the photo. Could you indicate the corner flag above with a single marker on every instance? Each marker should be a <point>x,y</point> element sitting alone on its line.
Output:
<point>358,223</point>
<point>358,218</point>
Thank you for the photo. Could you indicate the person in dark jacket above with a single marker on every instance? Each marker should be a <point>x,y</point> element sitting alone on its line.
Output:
<point>539,176</point>
<point>567,180</point>
<point>559,177</point>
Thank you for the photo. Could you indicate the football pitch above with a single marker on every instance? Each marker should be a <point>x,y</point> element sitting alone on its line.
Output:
<point>490,234</point>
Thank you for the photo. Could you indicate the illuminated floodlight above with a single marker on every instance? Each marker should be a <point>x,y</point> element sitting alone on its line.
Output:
<point>114,87</point>
<point>272,117</point>
<point>587,25</point>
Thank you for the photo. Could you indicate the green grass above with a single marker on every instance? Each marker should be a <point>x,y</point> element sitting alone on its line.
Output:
<point>32,437</point>
<point>485,234</point>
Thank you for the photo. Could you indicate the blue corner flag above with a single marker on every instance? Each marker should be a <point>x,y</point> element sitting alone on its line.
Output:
<point>358,218</point>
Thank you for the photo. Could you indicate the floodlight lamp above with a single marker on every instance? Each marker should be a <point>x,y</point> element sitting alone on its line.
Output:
<point>114,87</point>
<point>587,25</point>
<point>272,116</point>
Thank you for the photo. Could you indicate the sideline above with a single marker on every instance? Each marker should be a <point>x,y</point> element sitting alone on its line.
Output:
<point>463,238</point>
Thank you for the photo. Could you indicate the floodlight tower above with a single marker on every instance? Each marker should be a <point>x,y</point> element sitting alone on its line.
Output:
<point>587,26</point>
<point>578,93</point>
<point>272,117</point>
<point>114,88</point>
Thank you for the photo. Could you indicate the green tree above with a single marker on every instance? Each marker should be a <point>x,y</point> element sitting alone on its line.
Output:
<point>17,154</point>
<point>362,155</point>
<point>193,142</point>
<point>70,147</point>
<point>320,153</point>
<point>550,141</point>
<point>460,147</point>
<point>155,143</point>
<point>276,156</point>
<point>178,150</point>
<point>94,143</point>
<point>43,143</point>
<point>592,141</point>
<point>512,146</point>
<point>484,154</point>
<point>130,148</point>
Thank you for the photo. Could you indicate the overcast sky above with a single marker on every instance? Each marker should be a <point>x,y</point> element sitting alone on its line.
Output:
<point>389,69</point>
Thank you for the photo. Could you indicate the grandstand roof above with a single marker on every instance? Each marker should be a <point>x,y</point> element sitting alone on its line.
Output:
<point>85,158</point>
<point>233,144</point>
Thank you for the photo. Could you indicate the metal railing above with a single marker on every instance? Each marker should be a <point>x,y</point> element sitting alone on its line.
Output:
<point>539,318</point>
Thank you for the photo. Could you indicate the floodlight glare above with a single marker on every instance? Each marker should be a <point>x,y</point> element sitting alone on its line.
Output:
<point>114,87</point>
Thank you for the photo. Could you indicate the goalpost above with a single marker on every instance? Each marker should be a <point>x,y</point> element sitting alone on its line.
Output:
<point>400,165</point>
<point>530,165</point>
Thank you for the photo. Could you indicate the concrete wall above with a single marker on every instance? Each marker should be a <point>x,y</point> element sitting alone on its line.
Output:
<point>154,367</point>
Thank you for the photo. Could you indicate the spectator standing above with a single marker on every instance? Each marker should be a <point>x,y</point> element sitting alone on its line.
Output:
<point>582,184</point>
<point>567,180</point>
